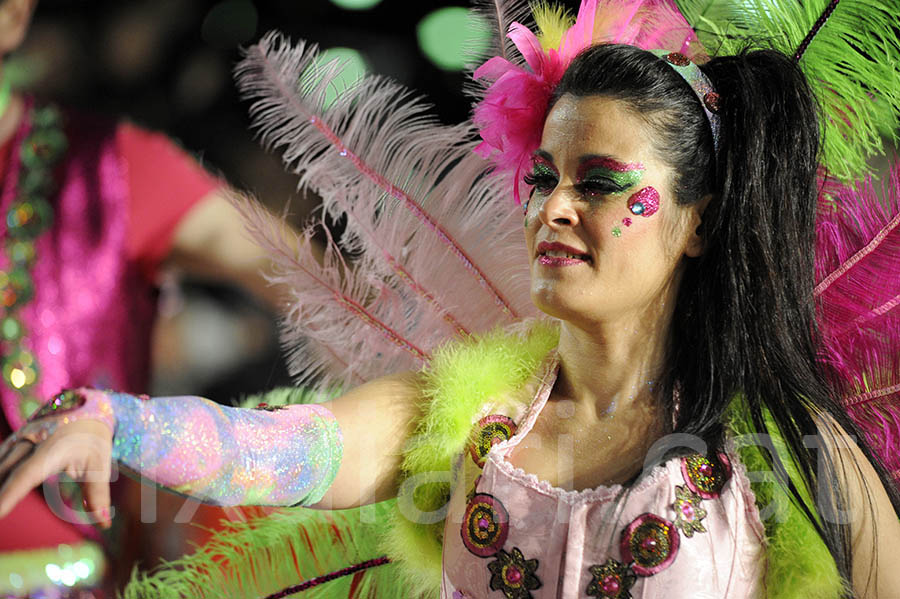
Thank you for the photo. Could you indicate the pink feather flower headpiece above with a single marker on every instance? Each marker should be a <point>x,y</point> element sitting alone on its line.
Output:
<point>511,114</point>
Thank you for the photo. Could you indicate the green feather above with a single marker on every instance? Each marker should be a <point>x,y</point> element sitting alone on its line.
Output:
<point>799,564</point>
<point>251,560</point>
<point>852,63</point>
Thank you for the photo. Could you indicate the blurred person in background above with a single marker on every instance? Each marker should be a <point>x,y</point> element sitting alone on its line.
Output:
<point>92,209</point>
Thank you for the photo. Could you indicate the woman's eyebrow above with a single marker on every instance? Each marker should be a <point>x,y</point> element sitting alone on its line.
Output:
<point>608,162</point>
<point>542,155</point>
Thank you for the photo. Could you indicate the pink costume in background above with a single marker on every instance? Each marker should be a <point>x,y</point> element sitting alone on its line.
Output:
<point>520,535</point>
<point>89,321</point>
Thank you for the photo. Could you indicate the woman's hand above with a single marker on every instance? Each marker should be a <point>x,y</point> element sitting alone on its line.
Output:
<point>51,444</point>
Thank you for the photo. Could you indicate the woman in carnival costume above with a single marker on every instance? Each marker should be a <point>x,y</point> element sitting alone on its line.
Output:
<point>721,288</point>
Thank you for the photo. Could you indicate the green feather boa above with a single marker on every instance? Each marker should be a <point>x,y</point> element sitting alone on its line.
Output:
<point>462,378</point>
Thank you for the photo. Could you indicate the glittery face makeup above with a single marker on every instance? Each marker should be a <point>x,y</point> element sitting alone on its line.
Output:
<point>543,177</point>
<point>604,160</point>
<point>602,175</point>
<point>644,203</point>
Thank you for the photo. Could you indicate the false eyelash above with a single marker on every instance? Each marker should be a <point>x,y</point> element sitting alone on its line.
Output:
<point>595,187</point>
<point>538,181</point>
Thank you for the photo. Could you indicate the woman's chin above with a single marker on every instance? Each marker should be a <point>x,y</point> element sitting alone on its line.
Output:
<point>558,305</point>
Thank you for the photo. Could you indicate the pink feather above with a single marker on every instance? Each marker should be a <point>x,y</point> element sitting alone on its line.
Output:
<point>432,247</point>
<point>858,301</point>
<point>335,313</point>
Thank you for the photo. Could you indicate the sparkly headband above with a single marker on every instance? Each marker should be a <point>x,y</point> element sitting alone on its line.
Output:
<point>701,85</point>
<point>510,116</point>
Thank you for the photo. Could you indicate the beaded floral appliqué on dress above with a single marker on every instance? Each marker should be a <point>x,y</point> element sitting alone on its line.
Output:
<point>612,580</point>
<point>514,575</point>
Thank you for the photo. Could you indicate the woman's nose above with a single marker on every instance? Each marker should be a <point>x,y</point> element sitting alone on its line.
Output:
<point>558,209</point>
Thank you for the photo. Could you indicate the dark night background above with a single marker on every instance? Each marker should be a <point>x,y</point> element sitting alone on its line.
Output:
<point>167,65</point>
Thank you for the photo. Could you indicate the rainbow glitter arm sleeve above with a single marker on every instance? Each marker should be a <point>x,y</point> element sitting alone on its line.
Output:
<point>228,456</point>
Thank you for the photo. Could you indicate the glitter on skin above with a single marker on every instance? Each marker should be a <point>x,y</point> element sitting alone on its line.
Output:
<point>622,174</point>
<point>626,221</point>
<point>228,456</point>
<point>617,231</point>
<point>645,202</point>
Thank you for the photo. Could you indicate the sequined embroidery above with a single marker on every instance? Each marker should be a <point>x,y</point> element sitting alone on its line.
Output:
<point>651,543</point>
<point>61,403</point>
<point>29,216</point>
<point>485,525</point>
<point>514,575</point>
<point>492,429</point>
<point>611,580</point>
<point>688,512</point>
<point>704,476</point>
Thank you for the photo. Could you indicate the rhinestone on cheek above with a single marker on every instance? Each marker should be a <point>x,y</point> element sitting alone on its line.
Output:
<point>644,202</point>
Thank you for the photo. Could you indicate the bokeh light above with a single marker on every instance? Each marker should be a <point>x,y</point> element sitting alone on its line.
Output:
<point>451,36</point>
<point>353,67</point>
<point>230,23</point>
<point>356,4</point>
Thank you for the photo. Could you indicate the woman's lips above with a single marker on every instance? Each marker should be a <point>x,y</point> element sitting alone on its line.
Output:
<point>559,261</point>
<point>560,254</point>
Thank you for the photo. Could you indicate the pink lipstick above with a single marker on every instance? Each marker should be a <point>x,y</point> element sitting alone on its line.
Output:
<point>560,254</point>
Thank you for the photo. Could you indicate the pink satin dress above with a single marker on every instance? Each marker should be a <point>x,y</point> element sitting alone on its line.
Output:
<point>688,528</point>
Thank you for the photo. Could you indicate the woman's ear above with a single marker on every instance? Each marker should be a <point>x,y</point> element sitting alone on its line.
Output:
<point>695,242</point>
<point>15,17</point>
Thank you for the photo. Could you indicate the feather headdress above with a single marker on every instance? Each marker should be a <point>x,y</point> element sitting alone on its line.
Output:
<point>511,115</point>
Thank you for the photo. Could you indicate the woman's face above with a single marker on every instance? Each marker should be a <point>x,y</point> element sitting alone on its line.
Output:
<point>605,237</point>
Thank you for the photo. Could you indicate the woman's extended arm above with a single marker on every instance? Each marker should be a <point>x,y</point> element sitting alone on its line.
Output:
<point>220,455</point>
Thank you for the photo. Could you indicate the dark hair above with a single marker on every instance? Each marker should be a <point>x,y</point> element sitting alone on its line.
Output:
<point>745,315</point>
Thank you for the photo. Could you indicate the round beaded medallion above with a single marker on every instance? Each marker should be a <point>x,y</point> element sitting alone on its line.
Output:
<point>705,476</point>
<point>492,429</point>
<point>485,525</point>
<point>651,543</point>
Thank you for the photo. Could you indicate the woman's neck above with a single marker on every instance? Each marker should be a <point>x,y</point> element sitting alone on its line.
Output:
<point>612,367</point>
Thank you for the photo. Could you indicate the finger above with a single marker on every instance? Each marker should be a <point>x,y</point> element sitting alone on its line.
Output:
<point>8,444</point>
<point>96,489</point>
<point>17,452</point>
<point>35,432</point>
<point>28,474</point>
